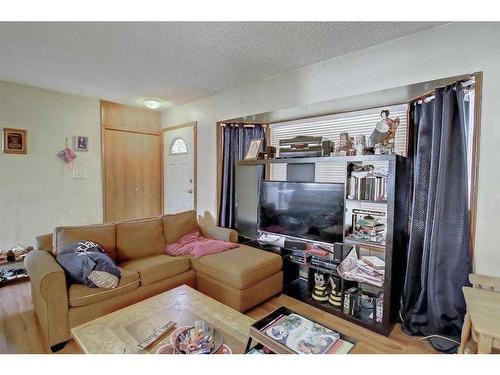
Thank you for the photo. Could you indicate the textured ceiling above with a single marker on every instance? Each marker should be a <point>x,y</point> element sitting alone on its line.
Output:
<point>178,62</point>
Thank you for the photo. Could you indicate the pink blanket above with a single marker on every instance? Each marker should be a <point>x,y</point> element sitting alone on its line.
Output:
<point>196,245</point>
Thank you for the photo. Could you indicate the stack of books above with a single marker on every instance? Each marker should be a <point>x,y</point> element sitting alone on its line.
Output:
<point>369,226</point>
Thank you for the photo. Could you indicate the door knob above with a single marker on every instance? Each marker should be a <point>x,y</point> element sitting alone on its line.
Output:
<point>190,191</point>
<point>136,190</point>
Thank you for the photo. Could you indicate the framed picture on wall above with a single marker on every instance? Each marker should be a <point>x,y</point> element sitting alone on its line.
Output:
<point>253,149</point>
<point>80,143</point>
<point>15,141</point>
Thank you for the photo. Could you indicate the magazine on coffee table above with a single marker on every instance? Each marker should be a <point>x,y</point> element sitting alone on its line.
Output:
<point>302,335</point>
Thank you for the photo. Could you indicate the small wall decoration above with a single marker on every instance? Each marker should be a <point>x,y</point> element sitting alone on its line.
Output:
<point>253,149</point>
<point>80,143</point>
<point>67,155</point>
<point>15,141</point>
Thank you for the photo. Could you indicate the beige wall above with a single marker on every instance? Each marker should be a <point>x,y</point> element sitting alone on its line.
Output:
<point>442,52</point>
<point>37,191</point>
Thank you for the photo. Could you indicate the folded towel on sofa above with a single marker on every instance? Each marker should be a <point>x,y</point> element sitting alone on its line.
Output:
<point>196,245</point>
<point>87,263</point>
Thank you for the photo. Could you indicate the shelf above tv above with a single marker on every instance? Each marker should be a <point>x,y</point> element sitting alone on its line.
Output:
<point>328,159</point>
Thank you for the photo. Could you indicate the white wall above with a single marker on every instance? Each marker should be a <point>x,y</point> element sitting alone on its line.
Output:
<point>449,50</point>
<point>37,191</point>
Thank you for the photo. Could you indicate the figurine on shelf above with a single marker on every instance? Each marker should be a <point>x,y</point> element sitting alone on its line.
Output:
<point>320,292</point>
<point>392,125</point>
<point>383,136</point>
<point>335,297</point>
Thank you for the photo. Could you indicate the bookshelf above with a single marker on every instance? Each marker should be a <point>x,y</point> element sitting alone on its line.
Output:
<point>392,200</point>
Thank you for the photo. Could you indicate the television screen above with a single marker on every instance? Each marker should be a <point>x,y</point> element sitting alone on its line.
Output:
<point>313,211</point>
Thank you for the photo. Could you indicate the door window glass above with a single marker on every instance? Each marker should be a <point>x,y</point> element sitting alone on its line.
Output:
<point>178,146</point>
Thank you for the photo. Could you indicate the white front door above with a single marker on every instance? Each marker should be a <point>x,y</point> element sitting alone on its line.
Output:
<point>178,175</point>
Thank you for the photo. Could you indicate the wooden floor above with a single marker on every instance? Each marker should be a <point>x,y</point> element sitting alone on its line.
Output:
<point>21,333</point>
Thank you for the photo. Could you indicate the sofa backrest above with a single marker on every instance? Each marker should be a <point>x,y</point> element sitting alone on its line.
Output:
<point>139,239</point>
<point>129,239</point>
<point>103,234</point>
<point>177,225</point>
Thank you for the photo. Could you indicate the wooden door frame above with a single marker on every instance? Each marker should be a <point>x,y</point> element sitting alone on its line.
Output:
<point>194,125</point>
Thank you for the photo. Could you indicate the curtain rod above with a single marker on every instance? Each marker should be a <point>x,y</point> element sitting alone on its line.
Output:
<point>431,96</point>
<point>245,125</point>
<point>465,82</point>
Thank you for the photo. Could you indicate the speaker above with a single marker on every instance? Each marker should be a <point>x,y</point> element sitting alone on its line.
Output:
<point>338,252</point>
<point>295,245</point>
<point>327,148</point>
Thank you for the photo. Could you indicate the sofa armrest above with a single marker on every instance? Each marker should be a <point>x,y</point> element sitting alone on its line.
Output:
<point>49,293</point>
<point>44,242</point>
<point>219,233</point>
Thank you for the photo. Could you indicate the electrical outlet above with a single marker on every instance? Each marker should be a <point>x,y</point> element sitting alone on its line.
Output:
<point>79,174</point>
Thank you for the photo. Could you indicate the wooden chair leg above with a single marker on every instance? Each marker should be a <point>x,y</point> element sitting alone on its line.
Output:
<point>466,330</point>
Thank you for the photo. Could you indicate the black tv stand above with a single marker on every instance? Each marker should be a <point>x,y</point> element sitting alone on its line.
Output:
<point>362,198</point>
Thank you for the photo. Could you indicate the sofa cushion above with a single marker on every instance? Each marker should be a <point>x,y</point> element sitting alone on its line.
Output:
<point>81,295</point>
<point>177,225</point>
<point>139,238</point>
<point>239,268</point>
<point>157,267</point>
<point>102,234</point>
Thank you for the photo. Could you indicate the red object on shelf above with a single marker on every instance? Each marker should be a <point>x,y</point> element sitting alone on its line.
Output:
<point>313,250</point>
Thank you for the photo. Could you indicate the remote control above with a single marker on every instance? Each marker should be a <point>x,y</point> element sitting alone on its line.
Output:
<point>156,335</point>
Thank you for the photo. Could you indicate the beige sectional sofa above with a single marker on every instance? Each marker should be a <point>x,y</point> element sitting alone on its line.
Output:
<point>240,278</point>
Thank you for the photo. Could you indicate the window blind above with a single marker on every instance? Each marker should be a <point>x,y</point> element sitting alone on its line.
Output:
<point>329,127</point>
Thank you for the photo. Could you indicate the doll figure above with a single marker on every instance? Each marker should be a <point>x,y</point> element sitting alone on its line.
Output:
<point>392,125</point>
<point>320,292</point>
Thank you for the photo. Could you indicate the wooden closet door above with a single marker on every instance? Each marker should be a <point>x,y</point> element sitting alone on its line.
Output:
<point>132,175</point>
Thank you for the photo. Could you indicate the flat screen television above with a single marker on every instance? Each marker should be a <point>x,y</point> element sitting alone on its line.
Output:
<point>313,211</point>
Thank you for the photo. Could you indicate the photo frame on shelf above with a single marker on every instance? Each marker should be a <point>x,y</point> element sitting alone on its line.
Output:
<point>254,149</point>
<point>80,143</point>
<point>15,141</point>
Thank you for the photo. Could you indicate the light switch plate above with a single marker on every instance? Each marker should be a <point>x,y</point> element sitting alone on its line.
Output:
<point>79,174</point>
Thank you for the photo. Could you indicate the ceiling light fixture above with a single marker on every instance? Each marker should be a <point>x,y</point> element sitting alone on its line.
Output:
<point>152,103</point>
